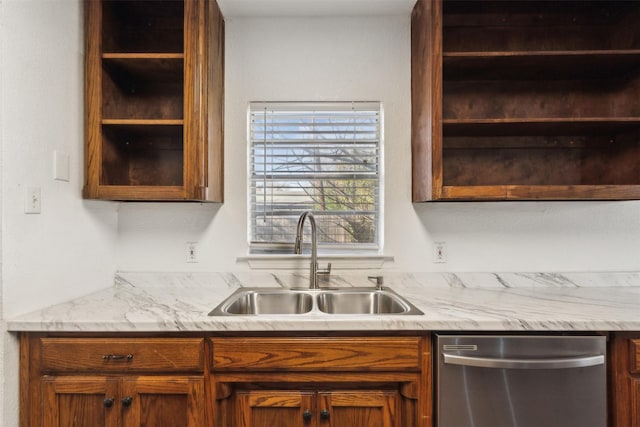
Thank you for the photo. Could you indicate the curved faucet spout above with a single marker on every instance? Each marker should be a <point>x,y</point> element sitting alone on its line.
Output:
<point>314,272</point>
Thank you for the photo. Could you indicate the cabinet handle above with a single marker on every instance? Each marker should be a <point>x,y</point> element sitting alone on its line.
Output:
<point>324,414</point>
<point>126,401</point>
<point>126,357</point>
<point>108,402</point>
<point>306,415</point>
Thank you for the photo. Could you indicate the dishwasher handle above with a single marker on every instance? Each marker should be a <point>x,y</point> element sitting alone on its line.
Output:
<point>544,363</point>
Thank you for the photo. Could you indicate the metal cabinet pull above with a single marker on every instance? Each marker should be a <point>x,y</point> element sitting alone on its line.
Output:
<point>306,415</point>
<point>108,402</point>
<point>126,357</point>
<point>324,414</point>
<point>126,401</point>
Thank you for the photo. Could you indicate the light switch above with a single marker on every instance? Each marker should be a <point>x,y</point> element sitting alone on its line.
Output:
<point>32,200</point>
<point>60,165</point>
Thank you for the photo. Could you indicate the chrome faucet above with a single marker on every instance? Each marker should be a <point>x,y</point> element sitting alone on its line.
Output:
<point>314,272</point>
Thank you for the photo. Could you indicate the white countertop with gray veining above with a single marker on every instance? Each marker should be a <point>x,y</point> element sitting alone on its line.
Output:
<point>173,302</point>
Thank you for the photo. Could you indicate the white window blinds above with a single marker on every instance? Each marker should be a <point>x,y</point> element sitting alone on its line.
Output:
<point>319,157</point>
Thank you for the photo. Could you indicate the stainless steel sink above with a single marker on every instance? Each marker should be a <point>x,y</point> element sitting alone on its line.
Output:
<point>362,302</point>
<point>281,301</point>
<point>265,301</point>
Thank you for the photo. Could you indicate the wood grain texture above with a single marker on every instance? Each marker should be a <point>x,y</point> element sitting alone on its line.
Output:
<point>154,63</point>
<point>360,408</point>
<point>426,100</point>
<point>93,97</point>
<point>142,88</point>
<point>624,379</point>
<point>30,381</point>
<point>530,73</point>
<point>214,122</point>
<point>79,401</point>
<point>321,376</point>
<point>274,408</point>
<point>634,356</point>
<point>143,27</point>
<point>148,354</point>
<point>560,25</point>
<point>426,386</point>
<point>612,164</point>
<point>361,395</point>
<point>192,97</point>
<point>169,401</point>
<point>635,401</point>
<point>300,354</point>
<point>542,192</point>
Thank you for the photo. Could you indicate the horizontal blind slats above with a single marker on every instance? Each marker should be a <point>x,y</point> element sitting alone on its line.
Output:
<point>319,157</point>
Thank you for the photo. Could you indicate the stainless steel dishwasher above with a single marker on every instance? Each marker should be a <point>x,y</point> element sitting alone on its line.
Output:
<point>520,381</point>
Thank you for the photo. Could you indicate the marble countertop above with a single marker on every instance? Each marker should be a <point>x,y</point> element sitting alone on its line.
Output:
<point>173,302</point>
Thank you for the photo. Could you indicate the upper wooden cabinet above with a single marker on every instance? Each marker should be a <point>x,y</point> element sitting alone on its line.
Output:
<point>525,100</point>
<point>154,100</point>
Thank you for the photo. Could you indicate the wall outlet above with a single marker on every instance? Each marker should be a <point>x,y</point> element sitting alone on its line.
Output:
<point>439,252</point>
<point>192,252</point>
<point>32,200</point>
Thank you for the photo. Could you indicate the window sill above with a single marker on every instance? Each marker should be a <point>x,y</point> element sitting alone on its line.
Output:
<point>338,262</point>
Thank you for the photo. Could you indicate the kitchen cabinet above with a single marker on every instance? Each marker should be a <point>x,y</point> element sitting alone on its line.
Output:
<point>154,83</point>
<point>322,382</point>
<point>123,401</point>
<point>525,100</point>
<point>624,369</point>
<point>356,408</point>
<point>195,380</point>
<point>112,382</point>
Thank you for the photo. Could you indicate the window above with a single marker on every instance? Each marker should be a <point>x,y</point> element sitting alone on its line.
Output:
<point>318,157</point>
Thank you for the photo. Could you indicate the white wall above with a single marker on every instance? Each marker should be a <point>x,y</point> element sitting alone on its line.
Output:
<point>69,249</point>
<point>368,59</point>
<point>2,325</point>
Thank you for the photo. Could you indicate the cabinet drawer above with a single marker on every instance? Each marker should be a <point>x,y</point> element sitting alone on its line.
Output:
<point>311,354</point>
<point>122,354</point>
<point>634,356</point>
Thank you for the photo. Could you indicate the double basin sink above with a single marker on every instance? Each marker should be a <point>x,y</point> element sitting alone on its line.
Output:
<point>281,301</point>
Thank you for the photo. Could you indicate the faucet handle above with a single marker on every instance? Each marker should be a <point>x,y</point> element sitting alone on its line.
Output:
<point>327,271</point>
<point>379,280</point>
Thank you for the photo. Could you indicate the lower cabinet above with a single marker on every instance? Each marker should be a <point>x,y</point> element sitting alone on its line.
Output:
<point>322,381</point>
<point>356,408</point>
<point>109,380</point>
<point>624,370</point>
<point>80,401</point>
<point>112,381</point>
<point>168,401</point>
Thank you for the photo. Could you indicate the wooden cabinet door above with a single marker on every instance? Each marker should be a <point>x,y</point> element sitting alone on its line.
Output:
<point>635,402</point>
<point>80,402</point>
<point>275,409</point>
<point>358,408</point>
<point>169,401</point>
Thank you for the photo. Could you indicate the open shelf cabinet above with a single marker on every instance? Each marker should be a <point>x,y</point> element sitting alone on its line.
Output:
<point>154,100</point>
<point>525,100</point>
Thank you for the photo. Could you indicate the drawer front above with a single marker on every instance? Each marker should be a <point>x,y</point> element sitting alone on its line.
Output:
<point>634,356</point>
<point>311,354</point>
<point>122,354</point>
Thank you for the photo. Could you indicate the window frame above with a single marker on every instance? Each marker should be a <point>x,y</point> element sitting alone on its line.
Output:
<point>374,248</point>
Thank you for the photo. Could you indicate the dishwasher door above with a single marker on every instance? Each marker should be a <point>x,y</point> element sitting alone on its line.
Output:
<point>520,381</point>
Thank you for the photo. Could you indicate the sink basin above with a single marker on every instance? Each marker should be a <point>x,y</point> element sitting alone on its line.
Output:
<point>255,302</point>
<point>281,301</point>
<point>362,302</point>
